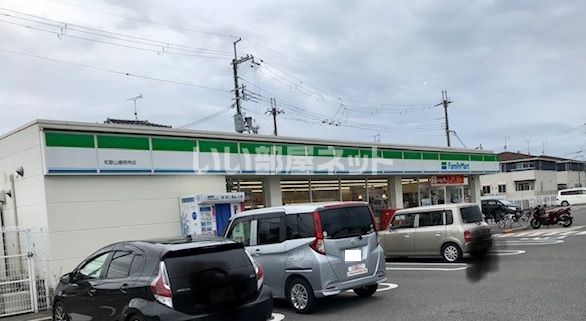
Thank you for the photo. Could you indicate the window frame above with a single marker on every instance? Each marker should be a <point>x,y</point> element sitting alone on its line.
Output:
<point>251,237</point>
<point>111,259</point>
<point>391,227</point>
<point>430,212</point>
<point>282,227</point>
<point>87,261</point>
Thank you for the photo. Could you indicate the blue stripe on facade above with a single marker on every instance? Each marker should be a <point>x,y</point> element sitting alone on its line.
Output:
<point>53,170</point>
<point>125,170</point>
<point>174,171</point>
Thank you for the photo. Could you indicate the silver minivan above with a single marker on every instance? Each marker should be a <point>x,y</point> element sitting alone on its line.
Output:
<point>449,231</point>
<point>310,251</point>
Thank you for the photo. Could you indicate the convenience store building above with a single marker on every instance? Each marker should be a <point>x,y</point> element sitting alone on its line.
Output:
<point>86,184</point>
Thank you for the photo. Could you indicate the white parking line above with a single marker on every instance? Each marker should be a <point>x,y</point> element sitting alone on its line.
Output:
<point>442,267</point>
<point>277,317</point>
<point>505,252</point>
<point>40,319</point>
<point>530,242</point>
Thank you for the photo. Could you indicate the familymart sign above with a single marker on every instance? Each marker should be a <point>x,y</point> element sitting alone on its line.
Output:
<point>83,153</point>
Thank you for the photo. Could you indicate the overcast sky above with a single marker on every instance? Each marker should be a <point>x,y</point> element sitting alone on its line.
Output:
<point>512,68</point>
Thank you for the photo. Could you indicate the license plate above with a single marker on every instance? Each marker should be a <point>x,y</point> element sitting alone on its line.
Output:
<point>354,255</point>
<point>221,294</point>
<point>357,269</point>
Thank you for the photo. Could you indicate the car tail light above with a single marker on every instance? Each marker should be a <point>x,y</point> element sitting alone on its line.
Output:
<point>161,287</point>
<point>318,244</point>
<point>467,236</point>
<point>258,271</point>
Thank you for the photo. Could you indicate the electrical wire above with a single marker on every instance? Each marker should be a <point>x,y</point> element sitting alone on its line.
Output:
<point>123,73</point>
<point>146,20</point>
<point>206,118</point>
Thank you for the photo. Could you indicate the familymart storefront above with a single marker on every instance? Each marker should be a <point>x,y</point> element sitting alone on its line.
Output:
<point>272,170</point>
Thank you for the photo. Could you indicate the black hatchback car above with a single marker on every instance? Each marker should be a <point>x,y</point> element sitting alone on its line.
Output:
<point>204,278</point>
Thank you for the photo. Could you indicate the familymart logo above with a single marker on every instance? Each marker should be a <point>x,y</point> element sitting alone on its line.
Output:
<point>455,166</point>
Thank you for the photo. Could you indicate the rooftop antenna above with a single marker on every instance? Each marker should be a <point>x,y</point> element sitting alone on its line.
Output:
<point>134,99</point>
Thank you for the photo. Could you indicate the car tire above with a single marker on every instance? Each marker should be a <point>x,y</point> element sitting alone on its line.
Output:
<point>451,252</point>
<point>135,317</point>
<point>300,296</point>
<point>565,203</point>
<point>59,312</point>
<point>366,291</point>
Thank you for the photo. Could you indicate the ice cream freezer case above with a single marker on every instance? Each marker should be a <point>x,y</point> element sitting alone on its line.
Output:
<point>209,214</point>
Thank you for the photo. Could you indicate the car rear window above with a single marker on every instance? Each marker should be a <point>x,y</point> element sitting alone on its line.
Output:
<point>299,226</point>
<point>346,222</point>
<point>471,214</point>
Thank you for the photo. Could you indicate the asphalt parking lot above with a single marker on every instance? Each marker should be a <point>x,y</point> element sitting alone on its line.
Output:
<point>530,275</point>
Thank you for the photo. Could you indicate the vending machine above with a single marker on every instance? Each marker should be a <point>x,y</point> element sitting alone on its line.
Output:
<point>209,214</point>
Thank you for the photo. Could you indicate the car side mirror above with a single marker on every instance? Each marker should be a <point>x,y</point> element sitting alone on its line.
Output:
<point>67,278</point>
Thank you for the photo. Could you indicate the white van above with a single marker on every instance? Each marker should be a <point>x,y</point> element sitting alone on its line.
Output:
<point>571,196</point>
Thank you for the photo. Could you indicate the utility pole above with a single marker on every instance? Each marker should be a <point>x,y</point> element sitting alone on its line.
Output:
<point>506,139</point>
<point>274,111</point>
<point>445,102</point>
<point>528,146</point>
<point>542,148</point>
<point>239,122</point>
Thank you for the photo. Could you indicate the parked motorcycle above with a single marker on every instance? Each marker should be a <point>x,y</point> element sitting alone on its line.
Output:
<point>561,216</point>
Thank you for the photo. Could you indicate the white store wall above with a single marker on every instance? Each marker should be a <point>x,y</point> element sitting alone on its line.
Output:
<point>88,212</point>
<point>24,149</point>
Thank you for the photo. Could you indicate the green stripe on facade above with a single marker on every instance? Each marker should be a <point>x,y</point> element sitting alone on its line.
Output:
<point>452,156</point>
<point>162,143</point>
<point>392,154</point>
<point>349,152</point>
<point>411,155</point>
<point>324,151</point>
<point>218,146</point>
<point>431,156</point>
<point>368,153</point>
<point>174,145</point>
<point>476,158</point>
<point>292,150</point>
<point>69,140</point>
<point>123,142</point>
<point>490,158</point>
<point>256,148</point>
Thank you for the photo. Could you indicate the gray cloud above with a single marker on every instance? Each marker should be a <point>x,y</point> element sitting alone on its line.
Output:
<point>513,68</point>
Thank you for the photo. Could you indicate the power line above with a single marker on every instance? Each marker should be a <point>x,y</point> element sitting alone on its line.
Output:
<point>146,20</point>
<point>207,118</point>
<point>123,73</point>
<point>159,49</point>
<point>105,33</point>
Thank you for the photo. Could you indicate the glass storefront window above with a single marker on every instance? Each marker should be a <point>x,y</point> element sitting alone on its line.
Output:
<point>252,188</point>
<point>377,195</point>
<point>326,190</point>
<point>424,191</point>
<point>409,192</point>
<point>295,191</point>
<point>353,190</point>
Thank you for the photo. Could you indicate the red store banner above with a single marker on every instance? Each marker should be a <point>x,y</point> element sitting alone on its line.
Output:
<point>447,180</point>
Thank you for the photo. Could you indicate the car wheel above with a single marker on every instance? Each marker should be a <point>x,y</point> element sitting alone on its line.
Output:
<point>59,313</point>
<point>135,317</point>
<point>300,296</point>
<point>366,291</point>
<point>451,253</point>
<point>565,203</point>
